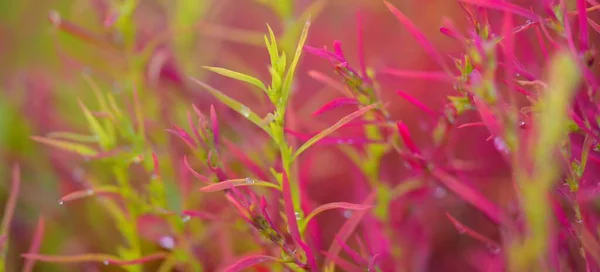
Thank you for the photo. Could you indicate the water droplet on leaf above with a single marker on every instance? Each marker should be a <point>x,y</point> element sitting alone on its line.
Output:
<point>90,192</point>
<point>249,181</point>
<point>186,218</point>
<point>245,111</point>
<point>439,192</point>
<point>167,242</point>
<point>500,145</point>
<point>106,262</point>
<point>297,215</point>
<point>347,213</point>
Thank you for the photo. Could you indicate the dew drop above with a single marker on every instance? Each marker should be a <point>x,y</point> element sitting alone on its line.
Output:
<point>186,218</point>
<point>493,249</point>
<point>245,111</point>
<point>439,192</point>
<point>347,213</point>
<point>61,202</point>
<point>90,192</point>
<point>297,215</point>
<point>500,145</point>
<point>167,242</point>
<point>578,221</point>
<point>522,125</point>
<point>249,181</point>
<point>106,262</point>
<point>528,22</point>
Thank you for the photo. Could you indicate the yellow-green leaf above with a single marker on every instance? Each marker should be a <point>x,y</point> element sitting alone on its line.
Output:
<point>333,128</point>
<point>239,76</point>
<point>68,146</point>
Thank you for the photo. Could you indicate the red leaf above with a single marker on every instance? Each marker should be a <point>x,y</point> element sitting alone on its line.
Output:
<point>476,235</point>
<point>424,75</point>
<point>250,261</point>
<point>416,102</point>
<point>336,103</point>
<point>346,230</point>
<point>293,222</point>
<point>415,32</point>
<point>471,196</point>
<point>405,134</point>
<point>503,6</point>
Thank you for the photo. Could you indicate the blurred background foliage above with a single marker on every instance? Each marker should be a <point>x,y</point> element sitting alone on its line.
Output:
<point>41,79</point>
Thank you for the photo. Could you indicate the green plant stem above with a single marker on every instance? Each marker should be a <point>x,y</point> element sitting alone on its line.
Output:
<point>128,229</point>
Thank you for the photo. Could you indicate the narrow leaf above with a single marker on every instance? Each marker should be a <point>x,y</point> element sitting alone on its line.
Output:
<point>332,206</point>
<point>471,196</point>
<point>239,76</point>
<point>228,184</point>
<point>287,85</point>
<point>345,231</point>
<point>95,126</point>
<point>101,258</point>
<point>36,243</point>
<point>474,234</point>
<point>9,210</point>
<point>335,103</point>
<point>503,6</point>
<point>333,128</point>
<point>68,146</point>
<point>419,36</point>
<point>105,190</point>
<point>247,262</point>
<point>234,105</point>
<point>73,137</point>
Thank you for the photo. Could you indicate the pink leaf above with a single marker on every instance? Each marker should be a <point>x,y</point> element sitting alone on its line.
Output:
<point>332,206</point>
<point>471,196</point>
<point>361,49</point>
<point>196,174</point>
<point>335,103</point>
<point>583,26</point>
<point>215,125</point>
<point>424,75</point>
<point>405,134</point>
<point>474,234</point>
<point>503,6</point>
<point>415,32</point>
<point>293,222</point>
<point>346,230</point>
<point>416,102</point>
<point>246,262</point>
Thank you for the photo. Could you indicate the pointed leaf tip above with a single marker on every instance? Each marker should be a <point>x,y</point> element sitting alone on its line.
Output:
<point>249,261</point>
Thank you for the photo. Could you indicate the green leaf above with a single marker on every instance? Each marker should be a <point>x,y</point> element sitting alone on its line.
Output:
<point>287,85</point>
<point>68,146</point>
<point>239,76</point>
<point>95,127</point>
<point>73,137</point>
<point>234,105</point>
<point>333,128</point>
